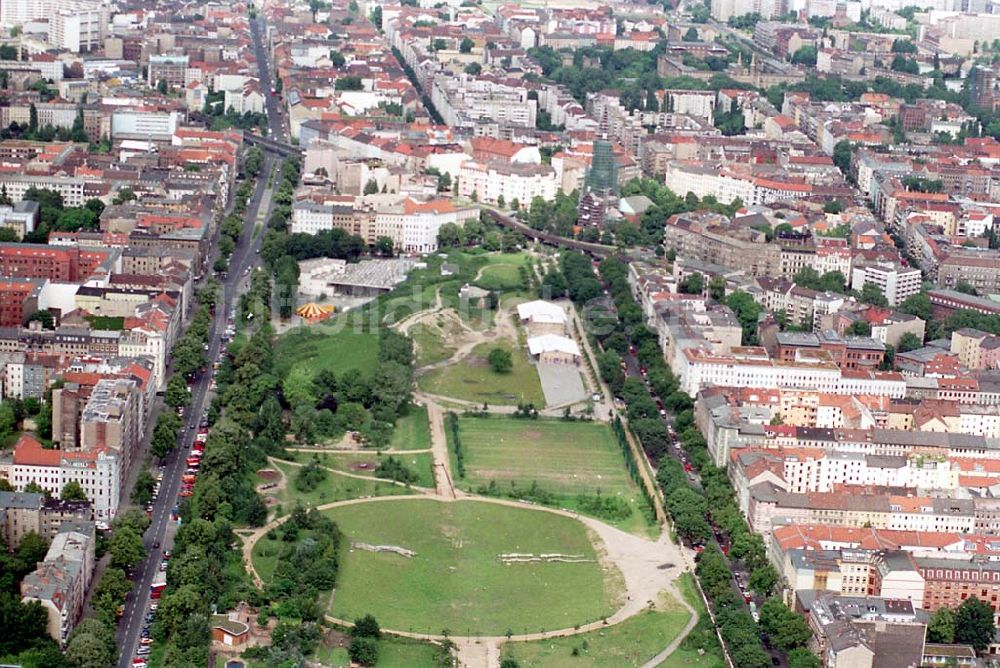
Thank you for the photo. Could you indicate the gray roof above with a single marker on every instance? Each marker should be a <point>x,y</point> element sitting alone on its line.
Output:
<point>21,500</point>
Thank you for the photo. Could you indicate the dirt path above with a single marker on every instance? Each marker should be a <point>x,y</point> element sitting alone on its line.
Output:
<point>359,449</point>
<point>357,476</point>
<point>444,485</point>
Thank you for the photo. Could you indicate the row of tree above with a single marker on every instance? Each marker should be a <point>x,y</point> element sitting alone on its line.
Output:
<point>690,507</point>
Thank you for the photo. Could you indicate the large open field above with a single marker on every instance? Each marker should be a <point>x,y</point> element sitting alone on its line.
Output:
<point>630,643</point>
<point>472,379</point>
<point>457,581</point>
<point>566,459</point>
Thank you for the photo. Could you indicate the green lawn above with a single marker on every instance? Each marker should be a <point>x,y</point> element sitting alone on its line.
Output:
<point>702,636</point>
<point>395,652</point>
<point>502,278</point>
<point>413,430</point>
<point>324,347</point>
<point>472,379</point>
<point>106,322</point>
<point>564,458</point>
<point>456,580</point>
<point>334,488</point>
<point>430,344</point>
<point>630,643</point>
<point>364,463</point>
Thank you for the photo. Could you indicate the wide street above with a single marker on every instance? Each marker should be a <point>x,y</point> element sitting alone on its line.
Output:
<point>160,531</point>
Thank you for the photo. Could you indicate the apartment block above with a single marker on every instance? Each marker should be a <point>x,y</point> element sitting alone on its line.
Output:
<point>976,349</point>
<point>894,281</point>
<point>22,513</point>
<point>97,471</point>
<point>112,420</point>
<point>769,506</point>
<point>495,181</point>
<point>61,581</point>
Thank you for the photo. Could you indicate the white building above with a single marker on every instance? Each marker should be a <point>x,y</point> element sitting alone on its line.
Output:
<point>76,25</point>
<point>413,226</point>
<point>491,181</point>
<point>98,472</point>
<point>147,342</point>
<point>81,29</point>
<point>467,101</point>
<point>697,369</point>
<point>137,124</point>
<point>894,281</point>
<point>243,95</point>
<point>310,217</point>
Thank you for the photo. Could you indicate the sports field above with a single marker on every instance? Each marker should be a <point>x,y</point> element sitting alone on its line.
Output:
<point>472,379</point>
<point>561,458</point>
<point>456,580</point>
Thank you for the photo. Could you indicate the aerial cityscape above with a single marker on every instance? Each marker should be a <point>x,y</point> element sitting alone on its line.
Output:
<point>461,333</point>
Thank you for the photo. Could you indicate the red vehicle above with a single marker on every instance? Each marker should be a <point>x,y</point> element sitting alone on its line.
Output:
<point>159,584</point>
<point>687,467</point>
<point>185,493</point>
<point>725,550</point>
<point>746,597</point>
<point>189,479</point>
<point>194,461</point>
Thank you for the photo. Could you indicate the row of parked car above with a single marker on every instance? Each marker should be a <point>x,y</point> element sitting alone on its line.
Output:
<point>193,460</point>
<point>145,638</point>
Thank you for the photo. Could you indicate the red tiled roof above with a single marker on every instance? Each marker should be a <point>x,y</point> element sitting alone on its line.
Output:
<point>29,452</point>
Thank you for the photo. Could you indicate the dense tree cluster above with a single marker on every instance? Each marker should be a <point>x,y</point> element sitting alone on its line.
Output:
<point>25,640</point>
<point>306,565</point>
<point>310,476</point>
<point>188,353</point>
<point>667,203</point>
<point>920,306</point>
<point>168,425</point>
<point>326,404</point>
<point>54,216</point>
